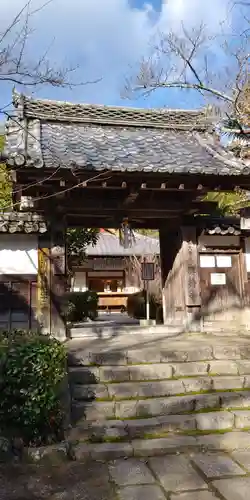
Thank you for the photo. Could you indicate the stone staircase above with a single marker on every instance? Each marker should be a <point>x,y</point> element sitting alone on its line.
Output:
<point>131,392</point>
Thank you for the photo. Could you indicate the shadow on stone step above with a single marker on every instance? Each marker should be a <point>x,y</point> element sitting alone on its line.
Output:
<point>101,329</point>
<point>87,363</point>
<point>85,374</point>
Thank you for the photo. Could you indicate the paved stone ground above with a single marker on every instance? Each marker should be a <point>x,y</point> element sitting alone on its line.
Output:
<point>189,476</point>
<point>113,322</point>
<point>182,471</point>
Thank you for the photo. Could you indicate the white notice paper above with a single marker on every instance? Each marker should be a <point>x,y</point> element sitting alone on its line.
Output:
<point>218,279</point>
<point>224,261</point>
<point>207,261</point>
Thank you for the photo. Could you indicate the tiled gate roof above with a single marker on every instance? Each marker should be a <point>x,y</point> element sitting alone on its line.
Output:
<point>51,134</point>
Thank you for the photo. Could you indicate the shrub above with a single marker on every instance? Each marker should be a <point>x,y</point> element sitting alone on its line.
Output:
<point>81,305</point>
<point>136,306</point>
<point>32,369</point>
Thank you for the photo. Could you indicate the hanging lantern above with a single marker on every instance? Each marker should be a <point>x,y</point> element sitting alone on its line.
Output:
<point>126,234</point>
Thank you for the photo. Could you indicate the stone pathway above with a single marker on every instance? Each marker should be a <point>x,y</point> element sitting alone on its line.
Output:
<point>180,476</point>
<point>178,409</point>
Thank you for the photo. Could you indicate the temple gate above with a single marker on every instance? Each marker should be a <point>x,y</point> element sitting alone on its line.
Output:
<point>95,166</point>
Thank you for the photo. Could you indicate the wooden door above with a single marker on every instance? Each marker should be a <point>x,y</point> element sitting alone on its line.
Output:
<point>18,299</point>
<point>221,287</point>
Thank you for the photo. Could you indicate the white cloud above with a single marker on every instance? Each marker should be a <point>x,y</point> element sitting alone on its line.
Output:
<point>106,36</point>
<point>192,12</point>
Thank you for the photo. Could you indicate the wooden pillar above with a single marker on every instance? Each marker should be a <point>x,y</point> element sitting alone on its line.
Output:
<point>172,276</point>
<point>244,272</point>
<point>192,277</point>
<point>43,283</point>
<point>58,277</point>
<point>180,276</point>
<point>52,280</point>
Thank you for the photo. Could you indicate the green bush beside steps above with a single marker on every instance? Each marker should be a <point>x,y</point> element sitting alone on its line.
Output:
<point>32,370</point>
<point>80,306</point>
<point>136,307</point>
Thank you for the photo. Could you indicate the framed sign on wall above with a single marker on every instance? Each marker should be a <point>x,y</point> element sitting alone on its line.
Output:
<point>148,271</point>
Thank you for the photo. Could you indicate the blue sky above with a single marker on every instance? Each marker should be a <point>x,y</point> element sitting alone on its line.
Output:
<point>107,38</point>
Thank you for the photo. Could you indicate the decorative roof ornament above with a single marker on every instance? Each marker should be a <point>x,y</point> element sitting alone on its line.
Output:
<point>99,114</point>
<point>126,234</point>
<point>18,102</point>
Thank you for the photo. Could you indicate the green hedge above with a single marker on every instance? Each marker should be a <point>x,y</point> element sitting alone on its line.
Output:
<point>32,369</point>
<point>136,306</point>
<point>81,305</point>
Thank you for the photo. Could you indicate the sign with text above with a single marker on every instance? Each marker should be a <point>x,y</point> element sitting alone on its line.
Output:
<point>218,279</point>
<point>224,260</point>
<point>109,263</point>
<point>245,223</point>
<point>148,271</point>
<point>207,261</point>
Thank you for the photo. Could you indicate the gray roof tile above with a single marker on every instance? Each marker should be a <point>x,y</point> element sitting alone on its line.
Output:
<point>119,139</point>
<point>16,222</point>
<point>219,225</point>
<point>128,149</point>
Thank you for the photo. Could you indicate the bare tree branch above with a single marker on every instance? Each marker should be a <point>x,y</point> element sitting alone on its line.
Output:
<point>178,84</point>
<point>15,65</point>
<point>15,21</point>
<point>184,61</point>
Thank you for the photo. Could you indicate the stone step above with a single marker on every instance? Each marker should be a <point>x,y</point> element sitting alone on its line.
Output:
<point>228,442</point>
<point>115,430</point>
<point>155,389</point>
<point>105,330</point>
<point>131,395</point>
<point>82,452</point>
<point>161,352</point>
<point>156,371</point>
<point>151,407</point>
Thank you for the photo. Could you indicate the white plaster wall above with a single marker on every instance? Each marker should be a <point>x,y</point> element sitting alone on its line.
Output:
<point>132,289</point>
<point>131,280</point>
<point>79,282</point>
<point>247,253</point>
<point>18,254</point>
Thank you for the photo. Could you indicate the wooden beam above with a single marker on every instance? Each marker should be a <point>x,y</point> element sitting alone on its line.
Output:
<point>132,202</point>
<point>153,180</point>
<point>75,221</point>
<point>50,185</point>
<point>111,206</point>
<point>132,213</point>
<point>125,212</point>
<point>131,198</point>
